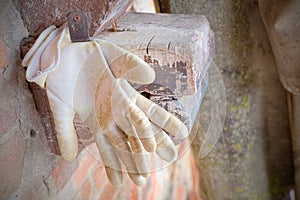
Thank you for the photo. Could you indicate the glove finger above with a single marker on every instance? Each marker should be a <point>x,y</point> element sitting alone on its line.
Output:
<point>162,118</point>
<point>166,148</point>
<point>39,45</point>
<point>114,176</point>
<point>121,111</point>
<point>110,159</point>
<point>118,140</point>
<point>43,57</point>
<point>159,116</point>
<point>141,157</point>
<point>131,119</point>
<point>143,128</point>
<point>138,179</point>
<point>127,65</point>
<point>63,119</point>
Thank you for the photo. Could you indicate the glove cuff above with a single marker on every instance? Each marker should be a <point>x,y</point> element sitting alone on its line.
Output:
<point>35,72</point>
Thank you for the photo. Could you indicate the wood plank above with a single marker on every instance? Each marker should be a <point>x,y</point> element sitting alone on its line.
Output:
<point>179,48</point>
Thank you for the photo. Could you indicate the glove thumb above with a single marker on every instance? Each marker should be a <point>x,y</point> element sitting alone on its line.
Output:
<point>127,65</point>
<point>63,119</point>
<point>32,59</point>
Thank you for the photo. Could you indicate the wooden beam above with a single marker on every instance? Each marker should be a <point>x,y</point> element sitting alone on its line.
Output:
<point>38,15</point>
<point>178,47</point>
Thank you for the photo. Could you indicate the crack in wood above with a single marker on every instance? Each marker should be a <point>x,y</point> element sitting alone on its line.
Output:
<point>148,44</point>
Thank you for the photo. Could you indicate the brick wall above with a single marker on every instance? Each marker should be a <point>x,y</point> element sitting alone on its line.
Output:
<point>85,178</point>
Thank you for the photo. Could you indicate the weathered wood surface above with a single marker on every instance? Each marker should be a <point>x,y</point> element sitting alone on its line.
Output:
<point>179,52</point>
<point>38,15</point>
<point>178,47</point>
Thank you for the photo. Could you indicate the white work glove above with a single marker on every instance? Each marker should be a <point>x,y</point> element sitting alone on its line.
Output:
<point>84,79</point>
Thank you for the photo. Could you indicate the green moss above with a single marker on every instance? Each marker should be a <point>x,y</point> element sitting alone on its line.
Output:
<point>239,189</point>
<point>237,147</point>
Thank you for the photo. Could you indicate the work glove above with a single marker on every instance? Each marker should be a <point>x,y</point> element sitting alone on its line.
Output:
<point>87,79</point>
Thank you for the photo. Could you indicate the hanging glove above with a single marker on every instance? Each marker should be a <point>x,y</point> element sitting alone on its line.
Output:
<point>84,79</point>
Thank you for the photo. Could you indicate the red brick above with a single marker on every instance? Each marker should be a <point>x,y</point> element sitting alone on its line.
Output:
<point>108,192</point>
<point>179,192</point>
<point>85,164</point>
<point>84,191</point>
<point>147,188</point>
<point>4,60</point>
<point>183,148</point>
<point>63,172</point>
<point>192,195</point>
<point>93,150</point>
<point>134,193</point>
<point>99,176</point>
<point>153,187</point>
<point>195,174</point>
<point>124,192</point>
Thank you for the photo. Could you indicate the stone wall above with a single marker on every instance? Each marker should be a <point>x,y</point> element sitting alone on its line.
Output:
<point>24,157</point>
<point>252,159</point>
